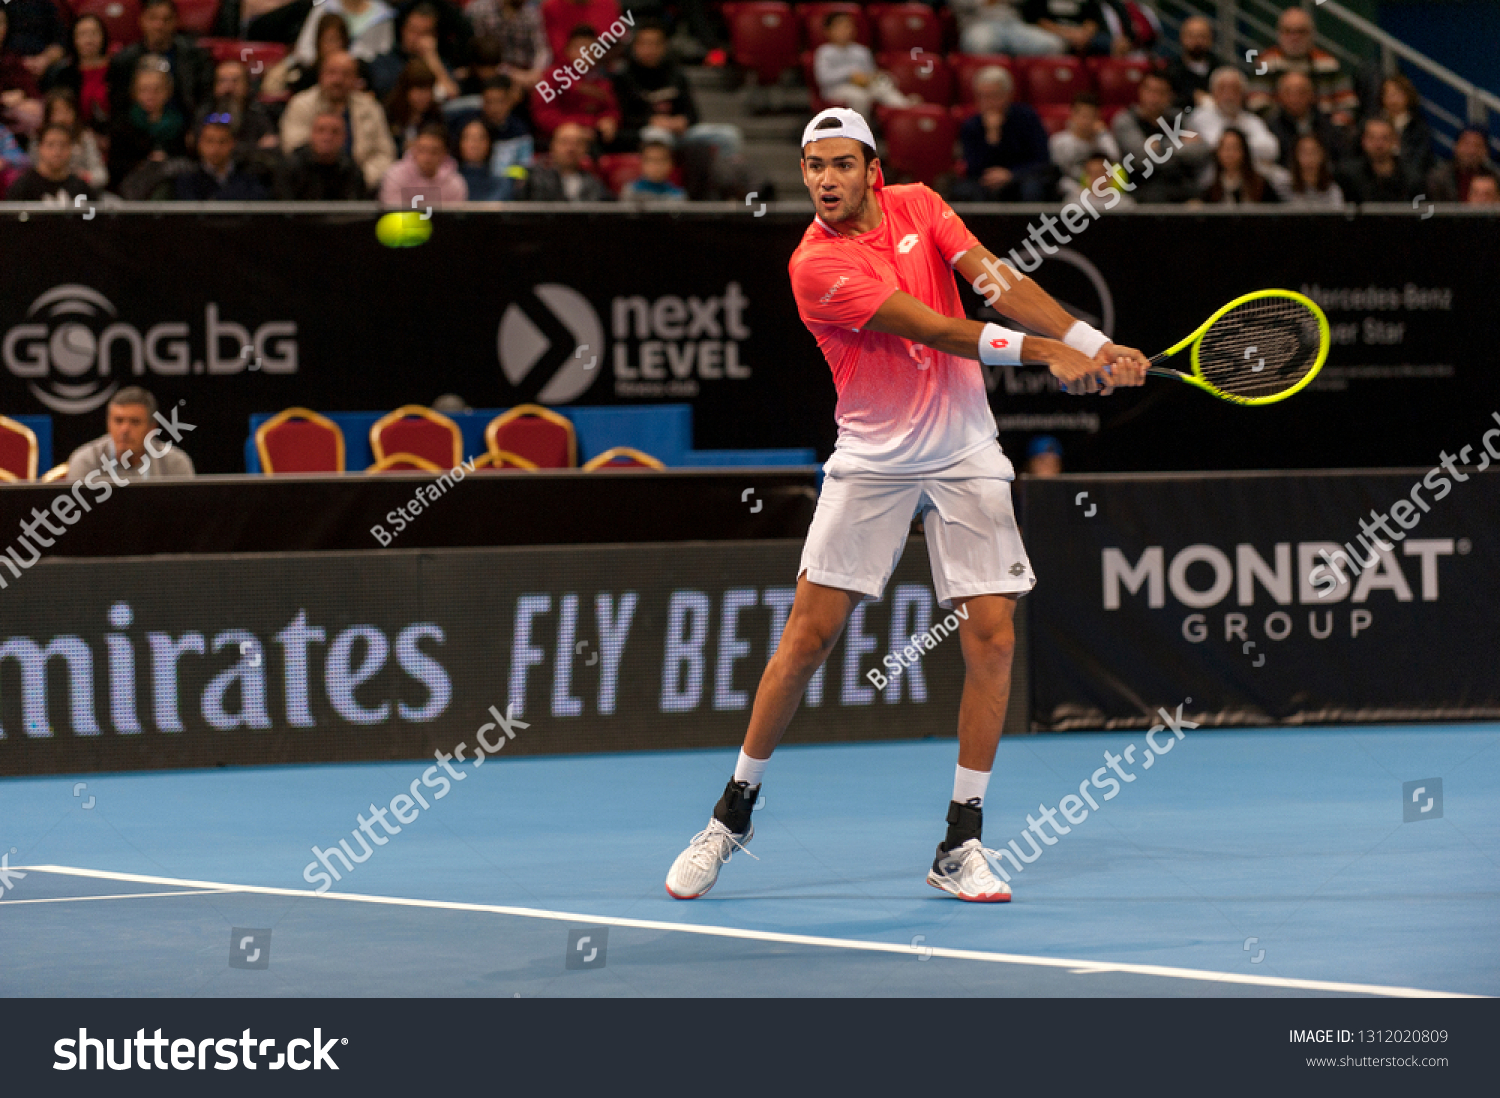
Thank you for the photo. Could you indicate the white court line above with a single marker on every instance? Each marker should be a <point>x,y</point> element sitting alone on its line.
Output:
<point>774,936</point>
<point>119,896</point>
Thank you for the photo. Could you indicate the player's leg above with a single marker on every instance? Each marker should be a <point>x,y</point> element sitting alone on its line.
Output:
<point>980,568</point>
<point>813,627</point>
<point>988,639</point>
<point>858,531</point>
<point>817,618</point>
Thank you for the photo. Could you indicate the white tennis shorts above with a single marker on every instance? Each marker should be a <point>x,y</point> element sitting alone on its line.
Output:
<point>862,519</point>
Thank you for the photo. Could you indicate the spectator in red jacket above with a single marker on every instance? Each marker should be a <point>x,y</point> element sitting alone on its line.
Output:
<point>589,100</point>
<point>561,17</point>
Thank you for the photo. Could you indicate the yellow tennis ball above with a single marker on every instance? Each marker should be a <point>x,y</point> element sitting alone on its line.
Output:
<point>405,229</point>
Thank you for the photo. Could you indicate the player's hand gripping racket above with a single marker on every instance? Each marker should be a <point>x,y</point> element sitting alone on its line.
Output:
<point>1258,349</point>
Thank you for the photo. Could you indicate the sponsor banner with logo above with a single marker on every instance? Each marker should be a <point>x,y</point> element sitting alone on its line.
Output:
<point>344,656</point>
<point>1267,599</point>
<point>254,313</point>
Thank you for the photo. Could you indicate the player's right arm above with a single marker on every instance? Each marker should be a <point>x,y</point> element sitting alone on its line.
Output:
<point>905,316</point>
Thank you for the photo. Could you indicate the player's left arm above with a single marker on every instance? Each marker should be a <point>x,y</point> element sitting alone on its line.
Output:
<point>1020,298</point>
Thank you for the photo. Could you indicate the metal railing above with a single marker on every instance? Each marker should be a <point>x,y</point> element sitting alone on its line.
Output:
<point>1252,23</point>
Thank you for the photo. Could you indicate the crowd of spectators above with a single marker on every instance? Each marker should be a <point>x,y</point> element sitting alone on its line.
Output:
<point>1294,131</point>
<point>374,99</point>
<point>390,100</point>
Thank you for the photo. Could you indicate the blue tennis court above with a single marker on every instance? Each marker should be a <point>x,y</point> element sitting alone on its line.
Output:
<point>1243,863</point>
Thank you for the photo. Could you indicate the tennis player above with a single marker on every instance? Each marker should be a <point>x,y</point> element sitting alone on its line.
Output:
<point>873,279</point>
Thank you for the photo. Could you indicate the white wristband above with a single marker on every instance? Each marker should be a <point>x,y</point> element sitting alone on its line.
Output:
<point>1084,338</point>
<point>999,346</point>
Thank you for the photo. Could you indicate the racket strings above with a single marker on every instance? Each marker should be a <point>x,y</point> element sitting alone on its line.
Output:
<point>1260,348</point>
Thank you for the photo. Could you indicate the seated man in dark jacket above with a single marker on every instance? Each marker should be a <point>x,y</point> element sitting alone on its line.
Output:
<point>1377,174</point>
<point>652,90</point>
<point>1004,146</point>
<point>49,179</point>
<point>563,178</point>
<point>219,177</point>
<point>321,171</point>
<point>191,68</point>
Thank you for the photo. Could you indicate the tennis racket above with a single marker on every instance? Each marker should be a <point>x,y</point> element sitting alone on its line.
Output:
<point>1259,349</point>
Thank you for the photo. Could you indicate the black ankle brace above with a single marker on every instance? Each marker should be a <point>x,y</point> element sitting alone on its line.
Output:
<point>735,806</point>
<point>965,822</point>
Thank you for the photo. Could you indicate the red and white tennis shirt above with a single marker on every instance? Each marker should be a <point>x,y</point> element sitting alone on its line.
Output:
<point>902,407</point>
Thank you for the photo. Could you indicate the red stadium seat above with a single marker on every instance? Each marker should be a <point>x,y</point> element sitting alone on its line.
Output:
<point>535,434</point>
<point>1054,116</point>
<point>815,102</point>
<point>414,429</point>
<point>901,28</point>
<point>1053,80</point>
<point>930,77</point>
<point>623,457</point>
<point>18,451</point>
<point>299,440</point>
<point>618,169</point>
<point>121,18</point>
<point>919,142</point>
<point>1117,79</point>
<point>949,23</point>
<point>966,66</point>
<point>764,38</point>
<point>197,16</point>
<point>232,49</point>
<point>814,15</point>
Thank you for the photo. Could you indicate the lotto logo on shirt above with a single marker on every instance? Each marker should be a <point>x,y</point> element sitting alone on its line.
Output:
<point>908,242</point>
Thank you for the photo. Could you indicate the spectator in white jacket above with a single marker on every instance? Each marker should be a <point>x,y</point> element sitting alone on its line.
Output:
<point>1227,87</point>
<point>371,23</point>
<point>846,71</point>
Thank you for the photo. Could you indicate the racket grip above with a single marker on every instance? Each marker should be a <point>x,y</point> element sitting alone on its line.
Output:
<point>1063,385</point>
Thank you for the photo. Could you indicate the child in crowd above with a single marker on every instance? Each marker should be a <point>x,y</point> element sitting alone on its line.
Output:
<point>846,71</point>
<point>655,182</point>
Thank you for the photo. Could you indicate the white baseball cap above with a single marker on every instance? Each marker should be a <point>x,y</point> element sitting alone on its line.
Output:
<point>849,124</point>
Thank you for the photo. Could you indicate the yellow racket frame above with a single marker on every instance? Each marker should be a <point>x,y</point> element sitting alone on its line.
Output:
<point>1195,340</point>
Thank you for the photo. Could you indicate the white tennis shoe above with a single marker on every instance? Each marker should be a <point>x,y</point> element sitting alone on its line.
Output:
<point>697,868</point>
<point>965,872</point>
